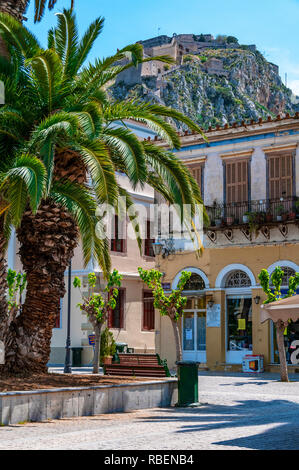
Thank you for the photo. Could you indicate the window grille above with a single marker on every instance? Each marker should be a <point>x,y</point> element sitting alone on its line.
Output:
<point>195,282</point>
<point>238,279</point>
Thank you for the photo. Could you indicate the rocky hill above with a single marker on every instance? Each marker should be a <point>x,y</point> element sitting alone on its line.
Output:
<point>216,87</point>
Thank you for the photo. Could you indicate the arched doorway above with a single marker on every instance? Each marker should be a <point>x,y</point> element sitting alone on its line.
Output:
<point>238,316</point>
<point>194,318</point>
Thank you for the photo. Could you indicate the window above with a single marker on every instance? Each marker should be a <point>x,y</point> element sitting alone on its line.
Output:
<point>288,272</point>
<point>117,236</point>
<point>237,279</point>
<point>280,170</point>
<point>195,283</point>
<point>239,314</point>
<point>116,316</point>
<point>148,242</point>
<point>148,311</point>
<point>197,173</point>
<point>236,174</point>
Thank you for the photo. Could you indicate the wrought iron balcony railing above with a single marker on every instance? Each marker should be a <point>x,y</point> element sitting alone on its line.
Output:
<point>258,212</point>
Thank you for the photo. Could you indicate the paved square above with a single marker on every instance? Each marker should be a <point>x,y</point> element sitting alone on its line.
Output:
<point>238,411</point>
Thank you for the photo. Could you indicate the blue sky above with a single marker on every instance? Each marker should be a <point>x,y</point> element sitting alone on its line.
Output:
<point>270,24</point>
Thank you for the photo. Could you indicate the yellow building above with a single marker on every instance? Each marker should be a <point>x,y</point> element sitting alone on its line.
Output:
<point>249,180</point>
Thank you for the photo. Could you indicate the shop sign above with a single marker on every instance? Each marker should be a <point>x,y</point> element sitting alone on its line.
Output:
<point>214,316</point>
<point>92,339</point>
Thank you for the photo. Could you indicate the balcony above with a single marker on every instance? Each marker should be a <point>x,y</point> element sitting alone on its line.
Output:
<point>253,217</point>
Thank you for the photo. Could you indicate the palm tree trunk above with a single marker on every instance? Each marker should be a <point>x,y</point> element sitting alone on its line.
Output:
<point>280,327</point>
<point>15,8</point>
<point>4,321</point>
<point>47,243</point>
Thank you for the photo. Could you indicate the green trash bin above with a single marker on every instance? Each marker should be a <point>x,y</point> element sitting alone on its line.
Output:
<point>187,383</point>
<point>77,361</point>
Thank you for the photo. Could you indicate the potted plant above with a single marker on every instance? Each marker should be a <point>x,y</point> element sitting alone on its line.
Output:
<point>218,214</point>
<point>279,212</point>
<point>108,347</point>
<point>230,220</point>
<point>246,217</point>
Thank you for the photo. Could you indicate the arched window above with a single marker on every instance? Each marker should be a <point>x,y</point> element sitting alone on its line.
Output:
<point>237,279</point>
<point>288,272</point>
<point>195,282</point>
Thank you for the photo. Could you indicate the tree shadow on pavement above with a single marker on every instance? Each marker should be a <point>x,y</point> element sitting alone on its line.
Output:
<point>279,416</point>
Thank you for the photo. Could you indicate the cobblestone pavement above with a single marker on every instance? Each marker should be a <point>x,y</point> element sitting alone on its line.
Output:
<point>236,412</point>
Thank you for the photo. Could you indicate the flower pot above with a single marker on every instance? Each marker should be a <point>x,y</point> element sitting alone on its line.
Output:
<point>284,217</point>
<point>107,360</point>
<point>279,218</point>
<point>269,217</point>
<point>229,220</point>
<point>292,215</point>
<point>218,222</point>
<point>245,219</point>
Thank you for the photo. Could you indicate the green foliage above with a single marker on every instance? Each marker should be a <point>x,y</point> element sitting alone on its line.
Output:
<point>276,279</point>
<point>171,305</point>
<point>108,345</point>
<point>16,284</point>
<point>97,305</point>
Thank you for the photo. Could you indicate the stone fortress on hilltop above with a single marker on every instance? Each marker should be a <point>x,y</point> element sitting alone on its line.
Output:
<point>214,81</point>
<point>176,47</point>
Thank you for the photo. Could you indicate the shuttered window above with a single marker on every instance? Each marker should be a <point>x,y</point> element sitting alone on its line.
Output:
<point>148,311</point>
<point>116,316</point>
<point>117,236</point>
<point>148,242</point>
<point>197,174</point>
<point>280,170</point>
<point>236,181</point>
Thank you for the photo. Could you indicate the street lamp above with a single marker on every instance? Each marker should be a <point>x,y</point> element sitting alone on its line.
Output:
<point>257,299</point>
<point>157,247</point>
<point>67,365</point>
<point>164,247</point>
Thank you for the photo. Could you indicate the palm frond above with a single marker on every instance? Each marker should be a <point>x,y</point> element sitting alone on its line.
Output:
<point>82,206</point>
<point>127,148</point>
<point>40,8</point>
<point>16,35</point>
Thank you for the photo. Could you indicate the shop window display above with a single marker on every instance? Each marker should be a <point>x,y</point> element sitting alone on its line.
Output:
<point>239,313</point>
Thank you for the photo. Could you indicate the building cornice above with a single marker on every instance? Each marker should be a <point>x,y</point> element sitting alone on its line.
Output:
<point>237,154</point>
<point>280,148</point>
<point>195,161</point>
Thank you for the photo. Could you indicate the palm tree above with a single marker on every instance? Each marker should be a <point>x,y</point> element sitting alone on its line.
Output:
<point>65,117</point>
<point>22,181</point>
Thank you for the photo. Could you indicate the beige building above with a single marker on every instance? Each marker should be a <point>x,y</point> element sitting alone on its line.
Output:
<point>249,179</point>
